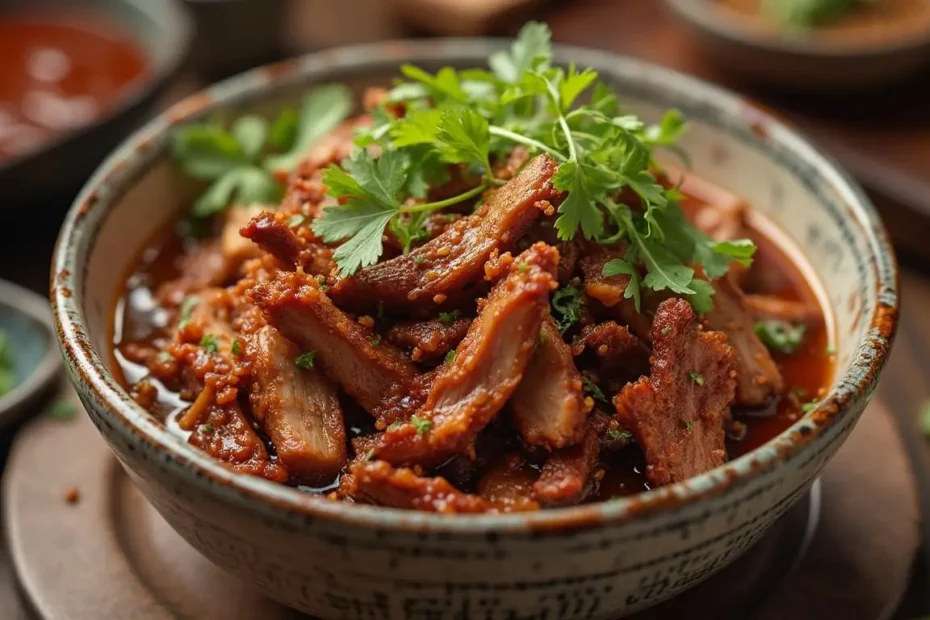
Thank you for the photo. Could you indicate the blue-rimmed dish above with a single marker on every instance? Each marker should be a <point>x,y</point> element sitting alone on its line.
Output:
<point>333,559</point>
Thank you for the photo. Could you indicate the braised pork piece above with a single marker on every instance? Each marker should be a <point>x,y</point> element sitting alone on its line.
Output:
<point>490,326</point>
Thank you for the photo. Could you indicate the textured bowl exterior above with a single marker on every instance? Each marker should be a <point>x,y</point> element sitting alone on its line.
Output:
<point>336,560</point>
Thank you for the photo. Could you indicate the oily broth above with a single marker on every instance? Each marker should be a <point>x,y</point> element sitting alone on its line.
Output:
<point>809,371</point>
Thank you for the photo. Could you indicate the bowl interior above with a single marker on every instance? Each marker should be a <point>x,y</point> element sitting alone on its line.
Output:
<point>819,211</point>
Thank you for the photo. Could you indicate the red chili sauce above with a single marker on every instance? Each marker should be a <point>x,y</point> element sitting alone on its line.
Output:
<point>56,76</point>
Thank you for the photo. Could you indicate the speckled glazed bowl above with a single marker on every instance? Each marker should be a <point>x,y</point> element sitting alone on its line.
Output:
<point>337,560</point>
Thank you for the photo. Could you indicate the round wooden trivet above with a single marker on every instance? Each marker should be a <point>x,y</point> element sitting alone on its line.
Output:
<point>110,556</point>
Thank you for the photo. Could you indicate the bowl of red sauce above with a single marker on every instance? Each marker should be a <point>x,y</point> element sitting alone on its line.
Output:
<point>75,77</point>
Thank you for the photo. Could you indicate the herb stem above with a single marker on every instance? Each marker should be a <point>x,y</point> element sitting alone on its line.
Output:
<point>448,202</point>
<point>500,132</point>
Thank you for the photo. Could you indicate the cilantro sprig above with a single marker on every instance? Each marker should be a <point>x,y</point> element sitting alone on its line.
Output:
<point>244,162</point>
<point>810,13</point>
<point>473,118</point>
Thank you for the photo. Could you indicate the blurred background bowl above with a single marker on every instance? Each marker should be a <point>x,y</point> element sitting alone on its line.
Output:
<point>762,53</point>
<point>162,29</point>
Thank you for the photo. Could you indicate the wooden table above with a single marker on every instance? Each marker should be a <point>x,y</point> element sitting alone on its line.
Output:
<point>884,139</point>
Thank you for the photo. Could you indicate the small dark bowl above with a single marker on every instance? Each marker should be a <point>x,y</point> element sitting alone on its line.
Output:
<point>56,170</point>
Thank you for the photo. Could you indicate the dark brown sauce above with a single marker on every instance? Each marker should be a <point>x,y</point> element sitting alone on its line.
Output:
<point>807,373</point>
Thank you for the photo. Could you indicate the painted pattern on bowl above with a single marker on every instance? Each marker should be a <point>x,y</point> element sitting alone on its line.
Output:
<point>337,560</point>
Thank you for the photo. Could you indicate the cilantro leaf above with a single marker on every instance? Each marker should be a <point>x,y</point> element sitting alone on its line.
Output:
<point>530,51</point>
<point>567,307</point>
<point>321,112</point>
<point>463,137</point>
<point>362,224</point>
<point>245,185</point>
<point>740,250</point>
<point>250,132</point>
<point>283,130</point>
<point>620,266</point>
<point>667,131</point>
<point>583,183</point>
<point>592,389</point>
<point>780,336</point>
<point>305,361</point>
<point>419,127</point>
<point>702,299</point>
<point>573,84</point>
<point>206,151</point>
<point>445,85</point>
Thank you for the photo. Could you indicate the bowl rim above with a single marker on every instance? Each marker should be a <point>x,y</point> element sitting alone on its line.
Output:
<point>94,381</point>
<point>731,28</point>
<point>175,22</point>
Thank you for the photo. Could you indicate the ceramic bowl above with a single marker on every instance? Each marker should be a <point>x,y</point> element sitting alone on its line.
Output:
<point>761,54</point>
<point>26,323</point>
<point>337,560</point>
<point>58,168</point>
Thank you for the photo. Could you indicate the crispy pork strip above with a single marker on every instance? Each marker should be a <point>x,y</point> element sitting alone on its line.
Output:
<point>227,436</point>
<point>677,414</point>
<point>369,370</point>
<point>758,378</point>
<point>617,350</point>
<point>549,408</point>
<point>271,232</point>
<point>488,365</point>
<point>431,340</point>
<point>771,308</point>
<point>297,408</point>
<point>443,267</point>
<point>567,475</point>
<point>508,485</point>
<point>379,483</point>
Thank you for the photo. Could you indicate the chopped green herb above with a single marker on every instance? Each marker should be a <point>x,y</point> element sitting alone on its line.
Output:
<point>617,434</point>
<point>306,360</point>
<point>450,356</point>
<point>780,336</point>
<point>831,350</point>
<point>375,340</point>
<point>696,379</point>
<point>666,330</point>
<point>924,420</point>
<point>186,309</point>
<point>236,347</point>
<point>808,407</point>
<point>395,425</point>
<point>370,454</point>
<point>592,389</point>
<point>422,425</point>
<point>449,317</point>
<point>567,306</point>
<point>470,117</point>
<point>296,220</point>
<point>419,259</point>
<point>164,357</point>
<point>799,392</point>
<point>61,410</point>
<point>689,426</point>
<point>209,344</point>
<point>523,267</point>
<point>207,428</point>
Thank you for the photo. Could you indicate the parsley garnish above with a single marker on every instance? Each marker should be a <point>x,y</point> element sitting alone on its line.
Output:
<point>209,344</point>
<point>449,317</point>
<point>370,454</point>
<point>666,330</point>
<point>472,117</point>
<point>523,267</point>
<point>61,410</point>
<point>808,407</point>
<point>375,340</point>
<point>236,347</point>
<point>696,379</point>
<point>236,161</point>
<point>296,220</point>
<point>593,390</point>
<point>422,425</point>
<point>617,435</point>
<point>305,360</point>
<point>187,308</point>
<point>689,426</point>
<point>830,350</point>
<point>567,304</point>
<point>207,428</point>
<point>780,336</point>
<point>450,356</point>
<point>164,357</point>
